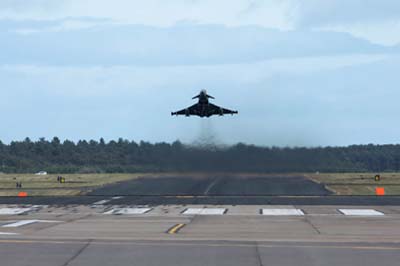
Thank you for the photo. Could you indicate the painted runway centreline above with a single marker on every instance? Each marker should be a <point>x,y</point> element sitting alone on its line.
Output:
<point>101,202</point>
<point>117,197</point>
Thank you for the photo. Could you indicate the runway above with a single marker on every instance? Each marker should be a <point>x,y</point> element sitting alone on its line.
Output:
<point>202,221</point>
<point>239,235</point>
<point>216,185</point>
<point>93,253</point>
<point>211,189</point>
<point>231,200</point>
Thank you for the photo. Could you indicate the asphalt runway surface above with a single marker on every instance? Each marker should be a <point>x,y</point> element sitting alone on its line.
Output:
<point>219,189</point>
<point>92,235</point>
<point>212,200</point>
<point>92,253</point>
<point>250,221</point>
<point>215,186</point>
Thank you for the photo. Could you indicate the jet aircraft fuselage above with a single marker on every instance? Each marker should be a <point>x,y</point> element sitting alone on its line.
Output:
<point>204,108</point>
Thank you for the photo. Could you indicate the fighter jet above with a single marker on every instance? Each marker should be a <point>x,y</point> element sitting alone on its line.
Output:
<point>204,108</point>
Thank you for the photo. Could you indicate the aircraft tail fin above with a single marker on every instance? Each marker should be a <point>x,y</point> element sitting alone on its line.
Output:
<point>202,93</point>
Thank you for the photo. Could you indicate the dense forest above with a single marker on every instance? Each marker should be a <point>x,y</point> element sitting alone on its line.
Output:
<point>125,156</point>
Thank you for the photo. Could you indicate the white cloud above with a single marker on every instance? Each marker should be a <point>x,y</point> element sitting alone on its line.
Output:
<point>331,12</point>
<point>83,70</point>
<point>271,13</point>
<point>179,45</point>
<point>369,19</point>
<point>62,25</point>
<point>282,14</point>
<point>376,21</point>
<point>22,9</point>
<point>135,102</point>
<point>384,33</point>
<point>125,80</point>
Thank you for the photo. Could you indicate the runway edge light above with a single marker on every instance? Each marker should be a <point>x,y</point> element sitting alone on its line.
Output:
<point>380,191</point>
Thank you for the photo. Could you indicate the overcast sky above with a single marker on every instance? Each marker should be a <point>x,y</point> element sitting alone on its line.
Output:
<point>300,72</point>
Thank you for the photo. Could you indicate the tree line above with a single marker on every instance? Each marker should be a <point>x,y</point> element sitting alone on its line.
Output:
<point>123,156</point>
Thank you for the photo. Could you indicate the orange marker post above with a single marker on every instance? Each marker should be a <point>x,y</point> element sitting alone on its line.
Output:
<point>22,194</point>
<point>380,191</point>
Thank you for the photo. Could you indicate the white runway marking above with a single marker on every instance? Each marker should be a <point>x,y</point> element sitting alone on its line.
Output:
<point>7,234</point>
<point>118,197</point>
<point>26,222</point>
<point>21,223</point>
<point>361,212</point>
<point>13,211</point>
<point>204,211</point>
<point>210,186</point>
<point>101,202</point>
<point>282,212</point>
<point>128,211</point>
